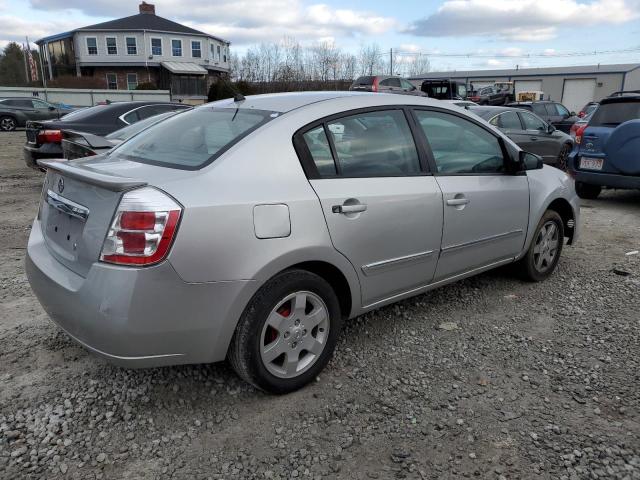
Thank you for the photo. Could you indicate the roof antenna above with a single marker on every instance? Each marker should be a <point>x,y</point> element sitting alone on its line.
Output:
<point>238,97</point>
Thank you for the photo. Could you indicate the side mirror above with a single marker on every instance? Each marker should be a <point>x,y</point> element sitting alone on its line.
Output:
<point>551,129</point>
<point>530,161</point>
<point>51,108</point>
<point>572,114</point>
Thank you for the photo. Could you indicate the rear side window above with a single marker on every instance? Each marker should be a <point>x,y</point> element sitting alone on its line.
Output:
<point>364,81</point>
<point>460,146</point>
<point>194,139</point>
<point>613,114</point>
<point>391,82</point>
<point>374,144</point>
<point>539,109</point>
<point>508,120</point>
<point>320,150</point>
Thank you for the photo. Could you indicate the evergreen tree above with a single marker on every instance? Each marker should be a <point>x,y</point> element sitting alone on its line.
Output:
<point>12,66</point>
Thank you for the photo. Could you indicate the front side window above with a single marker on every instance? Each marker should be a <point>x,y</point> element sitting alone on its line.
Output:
<point>391,82</point>
<point>538,109</point>
<point>112,81</point>
<point>132,81</point>
<point>156,46</point>
<point>374,144</point>
<point>176,48</point>
<point>112,46</point>
<point>39,104</point>
<point>192,139</point>
<point>460,146</point>
<point>196,50</point>
<point>508,121</point>
<point>92,46</point>
<point>562,110</point>
<point>531,122</point>
<point>407,85</point>
<point>132,46</point>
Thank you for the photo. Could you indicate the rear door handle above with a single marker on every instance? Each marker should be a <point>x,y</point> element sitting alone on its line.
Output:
<point>534,139</point>
<point>455,202</point>
<point>349,208</point>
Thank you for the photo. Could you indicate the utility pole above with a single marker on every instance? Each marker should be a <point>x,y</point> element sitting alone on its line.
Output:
<point>391,61</point>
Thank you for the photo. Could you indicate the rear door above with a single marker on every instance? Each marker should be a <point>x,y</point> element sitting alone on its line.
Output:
<point>383,209</point>
<point>537,138</point>
<point>486,210</point>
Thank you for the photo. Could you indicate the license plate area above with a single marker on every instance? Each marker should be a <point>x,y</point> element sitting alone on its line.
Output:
<point>64,232</point>
<point>589,163</point>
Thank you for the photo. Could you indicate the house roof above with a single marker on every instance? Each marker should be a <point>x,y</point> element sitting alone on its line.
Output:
<point>527,72</point>
<point>141,21</point>
<point>184,68</point>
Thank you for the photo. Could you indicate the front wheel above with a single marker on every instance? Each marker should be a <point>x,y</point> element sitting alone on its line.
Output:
<point>8,124</point>
<point>287,333</point>
<point>588,192</point>
<point>545,249</point>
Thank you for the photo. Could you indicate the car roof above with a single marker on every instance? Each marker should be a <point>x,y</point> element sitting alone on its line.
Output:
<point>620,99</point>
<point>482,110</point>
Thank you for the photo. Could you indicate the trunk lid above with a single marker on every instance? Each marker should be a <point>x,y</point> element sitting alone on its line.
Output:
<point>79,200</point>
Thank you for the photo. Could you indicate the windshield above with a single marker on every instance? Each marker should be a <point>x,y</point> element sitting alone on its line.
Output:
<point>130,130</point>
<point>193,139</point>
<point>613,114</point>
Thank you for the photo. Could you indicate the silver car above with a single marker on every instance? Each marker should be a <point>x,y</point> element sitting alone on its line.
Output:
<point>249,230</point>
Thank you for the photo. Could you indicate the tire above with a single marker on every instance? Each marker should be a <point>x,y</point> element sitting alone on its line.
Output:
<point>563,157</point>
<point>8,124</point>
<point>260,353</point>
<point>545,249</point>
<point>588,192</point>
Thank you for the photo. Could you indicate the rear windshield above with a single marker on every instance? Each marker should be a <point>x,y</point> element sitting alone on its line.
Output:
<point>130,130</point>
<point>364,81</point>
<point>613,114</point>
<point>193,139</point>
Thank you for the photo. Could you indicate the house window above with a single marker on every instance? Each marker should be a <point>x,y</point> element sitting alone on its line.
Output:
<point>176,48</point>
<point>132,81</point>
<point>92,45</point>
<point>112,47</point>
<point>132,47</point>
<point>218,52</point>
<point>112,81</point>
<point>226,51</point>
<point>156,46</point>
<point>196,51</point>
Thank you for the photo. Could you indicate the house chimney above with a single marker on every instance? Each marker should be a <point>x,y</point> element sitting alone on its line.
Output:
<point>147,8</point>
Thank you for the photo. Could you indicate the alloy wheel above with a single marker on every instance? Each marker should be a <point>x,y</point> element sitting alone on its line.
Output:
<point>562,158</point>
<point>7,124</point>
<point>295,334</point>
<point>546,247</point>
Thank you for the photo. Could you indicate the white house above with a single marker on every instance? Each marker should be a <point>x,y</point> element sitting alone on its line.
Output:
<point>142,48</point>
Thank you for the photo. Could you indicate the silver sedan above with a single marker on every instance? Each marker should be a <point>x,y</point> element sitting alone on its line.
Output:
<point>249,230</point>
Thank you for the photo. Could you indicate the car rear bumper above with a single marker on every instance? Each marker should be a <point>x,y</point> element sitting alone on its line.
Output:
<point>136,317</point>
<point>33,153</point>
<point>608,179</point>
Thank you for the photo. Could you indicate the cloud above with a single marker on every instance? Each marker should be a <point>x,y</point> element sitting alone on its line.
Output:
<point>521,20</point>
<point>243,22</point>
<point>14,29</point>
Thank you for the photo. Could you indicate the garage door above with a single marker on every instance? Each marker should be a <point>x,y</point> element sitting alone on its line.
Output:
<point>578,92</point>
<point>527,86</point>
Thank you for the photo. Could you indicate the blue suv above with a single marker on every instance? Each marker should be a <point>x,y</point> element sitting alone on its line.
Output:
<point>607,152</point>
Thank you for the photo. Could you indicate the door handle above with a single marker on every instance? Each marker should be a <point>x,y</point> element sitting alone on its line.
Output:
<point>361,207</point>
<point>534,139</point>
<point>455,202</point>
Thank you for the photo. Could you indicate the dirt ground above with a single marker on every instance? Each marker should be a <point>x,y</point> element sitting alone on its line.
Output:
<point>526,381</point>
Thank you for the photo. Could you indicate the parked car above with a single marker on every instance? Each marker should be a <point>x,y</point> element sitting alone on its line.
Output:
<point>44,137</point>
<point>608,146</point>
<point>250,230</point>
<point>82,144</point>
<point>588,109</point>
<point>551,112</point>
<point>530,133</point>
<point>491,95</point>
<point>444,89</point>
<point>385,84</point>
<point>462,103</point>
<point>17,111</point>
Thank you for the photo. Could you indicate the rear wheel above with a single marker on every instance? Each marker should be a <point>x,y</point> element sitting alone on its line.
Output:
<point>545,249</point>
<point>8,124</point>
<point>287,333</point>
<point>563,156</point>
<point>588,192</point>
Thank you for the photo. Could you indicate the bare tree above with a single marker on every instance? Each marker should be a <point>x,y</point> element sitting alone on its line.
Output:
<point>370,59</point>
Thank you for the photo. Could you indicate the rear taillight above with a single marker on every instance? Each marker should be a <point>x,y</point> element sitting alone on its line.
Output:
<point>143,228</point>
<point>579,131</point>
<point>374,85</point>
<point>49,136</point>
<point>581,115</point>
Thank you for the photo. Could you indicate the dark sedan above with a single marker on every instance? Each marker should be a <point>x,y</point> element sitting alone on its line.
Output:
<point>17,111</point>
<point>551,112</point>
<point>44,138</point>
<point>529,132</point>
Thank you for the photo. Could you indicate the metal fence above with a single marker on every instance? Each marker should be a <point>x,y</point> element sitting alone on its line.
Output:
<point>79,97</point>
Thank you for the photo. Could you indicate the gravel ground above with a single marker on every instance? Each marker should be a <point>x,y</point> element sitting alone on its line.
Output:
<point>487,378</point>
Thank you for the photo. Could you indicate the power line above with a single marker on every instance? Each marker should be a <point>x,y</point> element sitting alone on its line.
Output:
<point>522,55</point>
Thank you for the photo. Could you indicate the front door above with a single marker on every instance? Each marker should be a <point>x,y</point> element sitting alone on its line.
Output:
<point>384,213</point>
<point>537,138</point>
<point>486,210</point>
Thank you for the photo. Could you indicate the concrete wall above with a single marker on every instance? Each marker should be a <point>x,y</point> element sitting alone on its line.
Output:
<point>83,97</point>
<point>143,43</point>
<point>632,80</point>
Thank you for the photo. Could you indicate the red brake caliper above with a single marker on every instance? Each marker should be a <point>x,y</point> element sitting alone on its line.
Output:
<point>272,333</point>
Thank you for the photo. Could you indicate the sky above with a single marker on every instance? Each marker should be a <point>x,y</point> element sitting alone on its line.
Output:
<point>488,33</point>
